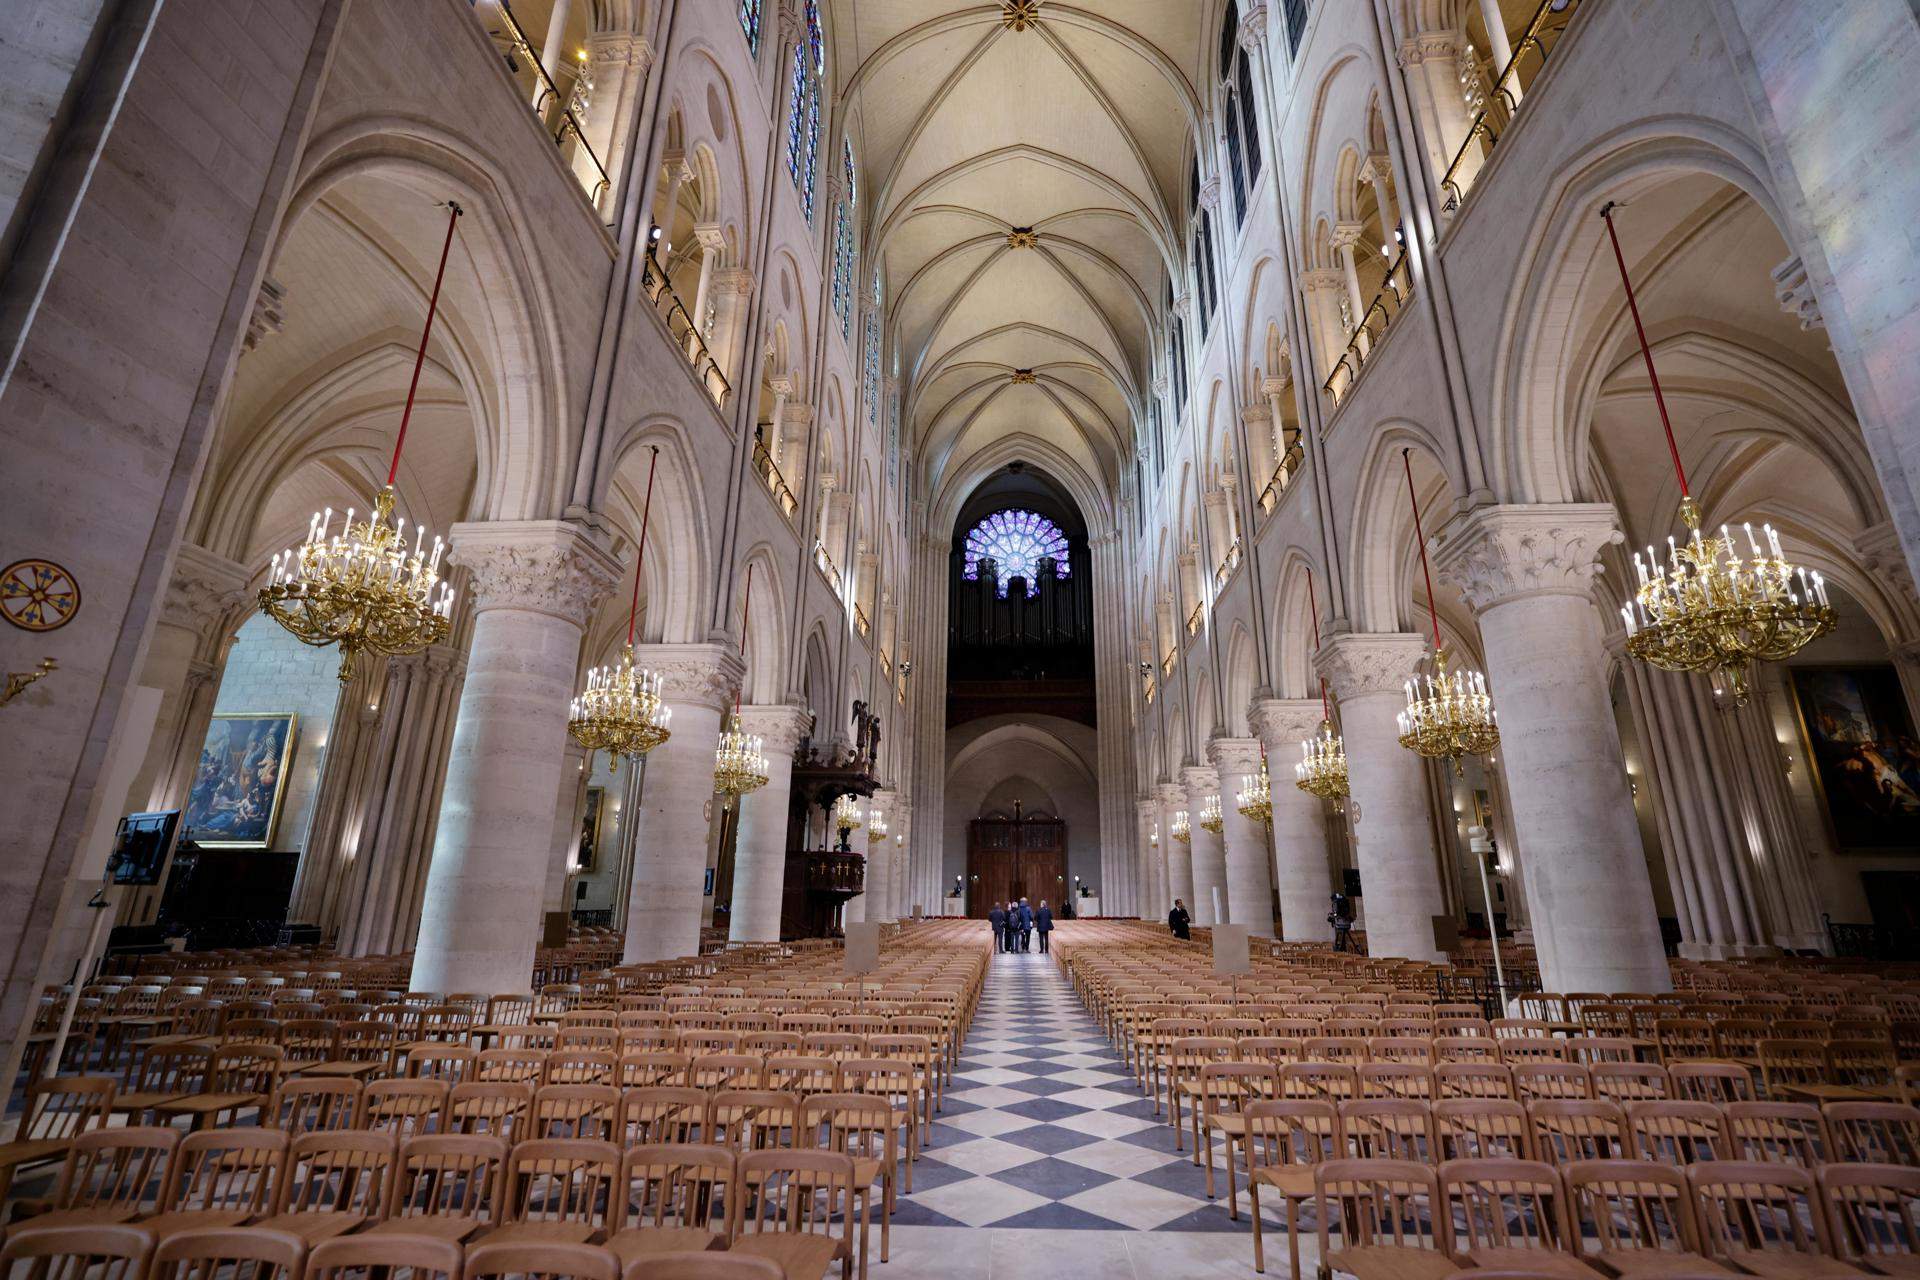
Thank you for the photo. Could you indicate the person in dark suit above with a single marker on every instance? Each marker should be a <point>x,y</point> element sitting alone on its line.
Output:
<point>1043,924</point>
<point>998,919</point>
<point>1013,925</point>
<point>1179,920</point>
<point>1026,926</point>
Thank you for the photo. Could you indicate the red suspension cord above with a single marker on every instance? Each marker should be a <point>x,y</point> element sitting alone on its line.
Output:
<point>420,356</point>
<point>640,558</point>
<point>1646,352</point>
<point>1433,611</point>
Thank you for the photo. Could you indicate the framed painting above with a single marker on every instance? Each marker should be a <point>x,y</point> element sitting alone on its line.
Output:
<point>1865,760</point>
<point>241,780</point>
<point>587,857</point>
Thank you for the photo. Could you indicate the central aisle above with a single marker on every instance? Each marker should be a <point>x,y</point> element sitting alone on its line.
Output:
<point>1044,1132</point>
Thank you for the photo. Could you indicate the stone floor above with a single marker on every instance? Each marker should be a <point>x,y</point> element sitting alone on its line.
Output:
<point>1048,1161</point>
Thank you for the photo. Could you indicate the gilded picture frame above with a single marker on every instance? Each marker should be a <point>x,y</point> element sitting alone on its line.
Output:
<point>240,781</point>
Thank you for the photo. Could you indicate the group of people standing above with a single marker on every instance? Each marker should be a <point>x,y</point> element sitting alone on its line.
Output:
<point>1015,924</point>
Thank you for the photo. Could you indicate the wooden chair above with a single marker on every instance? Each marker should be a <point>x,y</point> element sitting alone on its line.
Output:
<point>1396,1080</point>
<point>313,1104</point>
<point>161,1074</point>
<point>516,1065</point>
<point>58,1109</point>
<point>108,1176</point>
<point>703,1266</point>
<point>557,1191</point>
<point>1286,1142</point>
<point>220,1178</point>
<point>574,1111</point>
<point>673,1198</point>
<point>1393,1220</point>
<point>334,1183</point>
<point>228,1252</point>
<point>894,1083</point>
<point>1677,1133</point>
<point>99,1252</point>
<point>405,1108</point>
<point>1481,1129</point>
<point>1566,1130</point>
<point>1874,1132</point>
<point>1635,1218</point>
<point>500,1108</point>
<point>1478,1079</point>
<point>1792,1070</point>
<point>797,1196</point>
<point>661,1113</point>
<point>1510,1215</point>
<point>1540,1079</point>
<point>1794,1132</point>
<point>865,1128</point>
<point>446,1186</point>
<point>376,1257</point>
<point>1876,1215</point>
<point>1715,1082</point>
<point>1765,1219</point>
<point>551,1261</point>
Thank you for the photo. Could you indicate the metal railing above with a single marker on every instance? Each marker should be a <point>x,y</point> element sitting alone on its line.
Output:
<point>1373,325</point>
<point>1150,687</point>
<point>1290,464</point>
<point>1228,563</point>
<point>1530,52</point>
<point>685,332</point>
<point>1166,663</point>
<point>860,622</point>
<point>543,96</point>
<point>1193,619</point>
<point>828,570</point>
<point>769,474</point>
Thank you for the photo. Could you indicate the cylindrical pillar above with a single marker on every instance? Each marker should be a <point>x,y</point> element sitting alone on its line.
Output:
<point>1393,840</point>
<point>1179,856</point>
<point>678,806</point>
<point>1300,867</point>
<point>533,585</point>
<point>1209,900</point>
<point>1249,872</point>
<point>760,843</point>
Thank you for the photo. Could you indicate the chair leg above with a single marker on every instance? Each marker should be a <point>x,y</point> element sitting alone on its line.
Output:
<point>1205,1134</point>
<point>1259,1246</point>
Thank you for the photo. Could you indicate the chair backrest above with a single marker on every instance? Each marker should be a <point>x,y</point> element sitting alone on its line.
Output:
<point>703,1266</point>
<point>1790,1061</point>
<point>93,1252</point>
<point>654,1066</point>
<point>1390,1203</point>
<point>1876,1214</point>
<point>1481,1129</point>
<point>1542,1078</point>
<point>1331,1081</point>
<point>404,1108</point>
<point>448,1175</point>
<point>1715,1082</point>
<point>1506,1204</point>
<point>1396,1080</point>
<point>501,1108</point>
<point>856,1124</point>
<point>550,1261</point>
<point>255,1252</point>
<point>1570,1129</point>
<point>303,1105</point>
<point>661,1113</point>
<point>1749,1206</point>
<point>554,1180</point>
<point>577,1064</point>
<point>1675,1132</point>
<point>751,1117</point>
<point>1875,1132</point>
<point>574,1111</point>
<point>1789,1131</point>
<point>338,1172</point>
<point>364,1257</point>
<point>431,1060</point>
<point>1389,1129</point>
<point>1294,1131</point>
<point>797,1192</point>
<point>61,1108</point>
<point>1624,1206</point>
<point>226,1169</point>
<point>672,1184</point>
<point>1482,1079</point>
<point>517,1065</point>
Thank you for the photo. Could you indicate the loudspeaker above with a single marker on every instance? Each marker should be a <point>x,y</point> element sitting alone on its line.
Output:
<point>580,891</point>
<point>1446,933</point>
<point>1350,882</point>
<point>555,934</point>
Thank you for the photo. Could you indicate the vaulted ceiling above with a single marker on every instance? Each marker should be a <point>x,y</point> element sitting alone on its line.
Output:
<point>972,129</point>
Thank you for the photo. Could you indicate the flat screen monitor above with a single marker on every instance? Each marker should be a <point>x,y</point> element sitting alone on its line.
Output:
<point>141,848</point>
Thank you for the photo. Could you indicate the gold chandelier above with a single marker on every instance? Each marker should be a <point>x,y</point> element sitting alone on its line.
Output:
<point>620,712</point>
<point>1322,770</point>
<point>1181,829</point>
<point>846,814</point>
<point>1450,715</point>
<point>1255,800</point>
<point>1707,608</point>
<point>739,765</point>
<point>876,827</point>
<point>363,588</point>
<point>1211,818</point>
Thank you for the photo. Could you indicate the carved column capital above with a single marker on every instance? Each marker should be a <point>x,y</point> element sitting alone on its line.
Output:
<point>1252,35</point>
<point>701,674</point>
<point>1282,722</point>
<point>1358,664</point>
<point>204,589</point>
<point>1495,554</point>
<point>1210,194</point>
<point>1346,234</point>
<point>780,726</point>
<point>1170,793</point>
<point>1201,782</point>
<point>1234,758</point>
<point>541,566</point>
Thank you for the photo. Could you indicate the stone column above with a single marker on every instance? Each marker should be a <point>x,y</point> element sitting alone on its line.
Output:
<point>1209,857</point>
<point>568,809</point>
<point>1179,857</point>
<point>1301,871</point>
<point>730,293</point>
<point>678,806</point>
<point>1526,571</point>
<point>533,585</point>
<point>1393,839</point>
<point>619,63</point>
<point>553,54</point>
<point>713,242</point>
<point>1345,236</point>
<point>1433,85</point>
<point>1249,872</point>
<point>880,857</point>
<point>760,843</point>
<point>1151,875</point>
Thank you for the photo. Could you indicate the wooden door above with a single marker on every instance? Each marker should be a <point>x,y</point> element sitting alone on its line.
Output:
<point>1013,858</point>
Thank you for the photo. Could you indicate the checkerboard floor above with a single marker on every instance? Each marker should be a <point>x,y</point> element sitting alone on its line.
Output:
<point>1044,1127</point>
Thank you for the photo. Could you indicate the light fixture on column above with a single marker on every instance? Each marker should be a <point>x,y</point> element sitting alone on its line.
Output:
<point>1255,800</point>
<point>877,828</point>
<point>739,764</point>
<point>1180,828</point>
<point>1322,770</point>
<point>1449,714</point>
<point>1211,818</point>
<point>620,711</point>
<point>362,588</point>
<point>846,815</point>
<point>1707,608</point>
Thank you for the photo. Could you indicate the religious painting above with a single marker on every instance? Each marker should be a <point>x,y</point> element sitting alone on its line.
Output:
<point>587,857</point>
<point>241,780</point>
<point>1866,761</point>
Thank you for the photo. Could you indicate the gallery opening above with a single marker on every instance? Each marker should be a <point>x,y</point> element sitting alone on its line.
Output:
<point>959,639</point>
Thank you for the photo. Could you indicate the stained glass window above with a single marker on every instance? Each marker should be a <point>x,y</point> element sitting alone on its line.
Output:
<point>804,110</point>
<point>797,116</point>
<point>1017,542</point>
<point>843,270</point>
<point>873,366</point>
<point>848,171</point>
<point>750,24</point>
